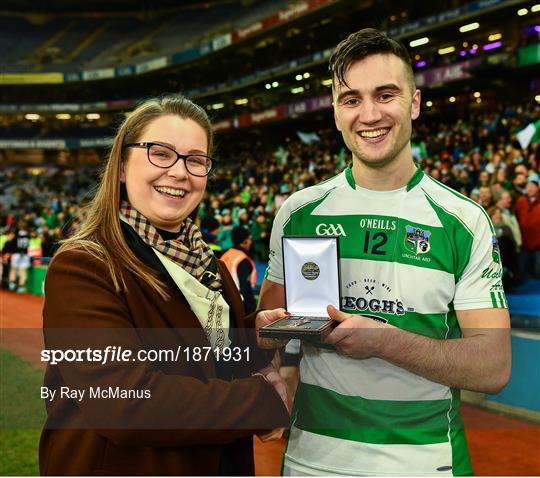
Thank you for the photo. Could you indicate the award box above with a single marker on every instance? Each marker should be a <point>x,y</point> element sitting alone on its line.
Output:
<point>312,282</point>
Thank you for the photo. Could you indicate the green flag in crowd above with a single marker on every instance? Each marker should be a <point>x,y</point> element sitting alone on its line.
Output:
<point>529,134</point>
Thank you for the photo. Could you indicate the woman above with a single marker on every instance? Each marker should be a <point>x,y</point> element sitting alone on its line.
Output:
<point>138,277</point>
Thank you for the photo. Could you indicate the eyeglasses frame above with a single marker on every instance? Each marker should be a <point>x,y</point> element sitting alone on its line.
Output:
<point>148,144</point>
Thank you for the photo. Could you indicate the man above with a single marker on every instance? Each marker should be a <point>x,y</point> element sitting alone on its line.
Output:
<point>527,210</point>
<point>486,197</point>
<point>241,266</point>
<point>423,310</point>
<point>504,202</point>
<point>20,260</point>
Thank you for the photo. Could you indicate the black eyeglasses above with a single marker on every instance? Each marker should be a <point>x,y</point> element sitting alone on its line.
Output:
<point>165,157</point>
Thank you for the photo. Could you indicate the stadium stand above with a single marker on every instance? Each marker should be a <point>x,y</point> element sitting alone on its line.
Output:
<point>272,112</point>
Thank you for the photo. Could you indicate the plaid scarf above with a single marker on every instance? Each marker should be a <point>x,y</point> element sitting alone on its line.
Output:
<point>189,250</point>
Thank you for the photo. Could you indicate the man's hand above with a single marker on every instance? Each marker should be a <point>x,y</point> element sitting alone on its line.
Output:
<point>356,336</point>
<point>273,377</point>
<point>265,317</point>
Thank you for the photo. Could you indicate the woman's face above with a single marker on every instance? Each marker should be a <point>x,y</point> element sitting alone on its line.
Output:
<point>165,197</point>
<point>496,217</point>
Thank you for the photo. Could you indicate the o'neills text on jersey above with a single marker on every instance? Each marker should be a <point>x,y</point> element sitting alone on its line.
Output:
<point>382,224</point>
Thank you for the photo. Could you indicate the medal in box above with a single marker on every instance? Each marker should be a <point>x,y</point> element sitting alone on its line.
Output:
<point>311,273</point>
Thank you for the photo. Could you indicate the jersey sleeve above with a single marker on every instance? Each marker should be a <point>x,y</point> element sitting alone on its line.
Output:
<point>480,285</point>
<point>274,272</point>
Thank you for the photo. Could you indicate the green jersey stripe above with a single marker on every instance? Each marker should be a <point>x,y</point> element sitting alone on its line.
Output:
<point>431,200</point>
<point>465,198</point>
<point>353,418</point>
<point>315,201</point>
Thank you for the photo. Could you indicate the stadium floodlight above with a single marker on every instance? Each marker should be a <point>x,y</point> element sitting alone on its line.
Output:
<point>241,101</point>
<point>32,116</point>
<point>298,77</point>
<point>494,37</point>
<point>63,116</point>
<point>522,11</point>
<point>418,42</point>
<point>469,27</point>
<point>218,106</point>
<point>275,84</point>
<point>306,75</point>
<point>492,46</point>
<point>327,82</point>
<point>448,49</point>
<point>93,116</point>
<point>429,104</point>
<point>297,90</point>
<point>452,99</point>
<point>535,8</point>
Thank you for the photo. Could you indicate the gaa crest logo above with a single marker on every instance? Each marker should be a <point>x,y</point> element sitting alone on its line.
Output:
<point>417,240</point>
<point>330,230</point>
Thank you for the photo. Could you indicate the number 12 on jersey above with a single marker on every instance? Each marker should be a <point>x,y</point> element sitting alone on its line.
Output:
<point>373,243</point>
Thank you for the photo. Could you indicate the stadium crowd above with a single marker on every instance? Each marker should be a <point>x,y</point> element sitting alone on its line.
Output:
<point>479,157</point>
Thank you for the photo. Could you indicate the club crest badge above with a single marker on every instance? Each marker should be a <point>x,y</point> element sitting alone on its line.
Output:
<point>310,271</point>
<point>417,240</point>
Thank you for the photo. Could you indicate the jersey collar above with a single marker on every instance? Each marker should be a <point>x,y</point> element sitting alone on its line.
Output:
<point>417,177</point>
<point>414,181</point>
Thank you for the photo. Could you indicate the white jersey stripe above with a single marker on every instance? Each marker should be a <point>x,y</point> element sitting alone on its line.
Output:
<point>375,379</point>
<point>332,456</point>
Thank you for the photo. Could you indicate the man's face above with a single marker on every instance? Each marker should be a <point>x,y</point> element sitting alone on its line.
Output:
<point>374,110</point>
<point>485,195</point>
<point>532,189</point>
<point>520,180</point>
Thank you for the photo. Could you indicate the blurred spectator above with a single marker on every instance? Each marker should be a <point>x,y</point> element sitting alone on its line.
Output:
<point>224,237</point>
<point>209,230</point>
<point>485,197</point>
<point>17,247</point>
<point>241,266</point>
<point>507,248</point>
<point>260,231</point>
<point>504,202</point>
<point>527,210</point>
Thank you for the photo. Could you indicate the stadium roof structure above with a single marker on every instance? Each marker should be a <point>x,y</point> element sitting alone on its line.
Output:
<point>105,7</point>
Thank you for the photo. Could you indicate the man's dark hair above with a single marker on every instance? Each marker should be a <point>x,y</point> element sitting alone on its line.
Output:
<point>362,44</point>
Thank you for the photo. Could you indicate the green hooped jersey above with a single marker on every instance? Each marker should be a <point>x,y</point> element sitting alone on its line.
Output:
<point>410,257</point>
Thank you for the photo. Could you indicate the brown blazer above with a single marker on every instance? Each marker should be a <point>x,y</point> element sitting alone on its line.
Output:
<point>191,420</point>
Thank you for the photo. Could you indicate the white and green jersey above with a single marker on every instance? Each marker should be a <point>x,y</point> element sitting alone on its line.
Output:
<point>410,257</point>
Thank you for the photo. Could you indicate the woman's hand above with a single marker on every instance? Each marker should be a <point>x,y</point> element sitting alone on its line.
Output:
<point>265,317</point>
<point>273,377</point>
